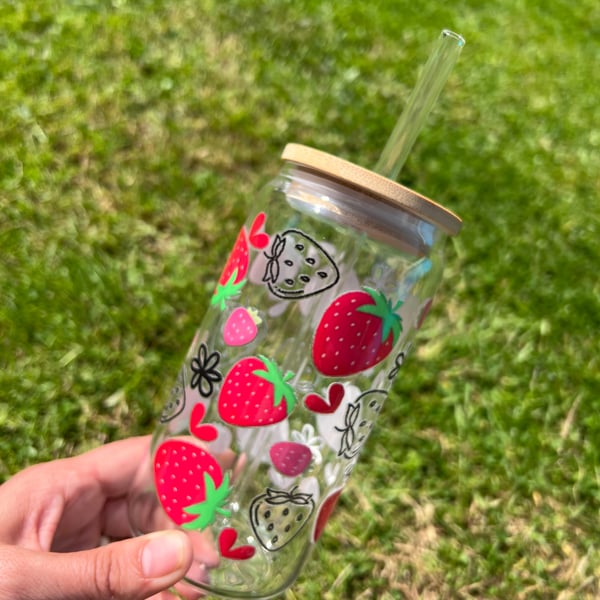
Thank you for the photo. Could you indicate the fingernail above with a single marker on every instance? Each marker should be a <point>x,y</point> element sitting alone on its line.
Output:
<point>163,554</point>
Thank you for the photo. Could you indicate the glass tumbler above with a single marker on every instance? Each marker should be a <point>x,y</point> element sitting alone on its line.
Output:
<point>309,324</point>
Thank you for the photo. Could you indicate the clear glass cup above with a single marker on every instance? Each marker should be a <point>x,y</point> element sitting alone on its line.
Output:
<point>310,322</point>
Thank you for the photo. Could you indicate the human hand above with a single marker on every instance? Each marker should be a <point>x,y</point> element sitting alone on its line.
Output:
<point>53,517</point>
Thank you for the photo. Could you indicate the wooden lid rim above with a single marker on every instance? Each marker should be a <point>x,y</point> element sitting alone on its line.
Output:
<point>373,184</point>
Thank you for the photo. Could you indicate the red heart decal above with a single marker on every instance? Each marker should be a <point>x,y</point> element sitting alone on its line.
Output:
<point>318,404</point>
<point>259,239</point>
<point>227,539</point>
<point>206,433</point>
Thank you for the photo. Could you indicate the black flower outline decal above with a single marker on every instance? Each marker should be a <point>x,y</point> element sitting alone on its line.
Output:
<point>205,372</point>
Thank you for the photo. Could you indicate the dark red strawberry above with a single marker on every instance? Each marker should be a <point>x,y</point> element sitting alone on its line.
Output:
<point>190,484</point>
<point>233,276</point>
<point>290,458</point>
<point>325,511</point>
<point>255,393</point>
<point>357,331</point>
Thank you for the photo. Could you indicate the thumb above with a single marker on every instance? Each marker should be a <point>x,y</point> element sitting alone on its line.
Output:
<point>133,569</point>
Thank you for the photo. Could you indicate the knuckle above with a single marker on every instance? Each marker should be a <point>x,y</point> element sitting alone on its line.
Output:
<point>106,575</point>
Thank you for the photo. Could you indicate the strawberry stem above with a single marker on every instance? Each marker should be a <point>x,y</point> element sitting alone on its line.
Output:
<point>282,390</point>
<point>229,290</point>
<point>213,503</point>
<point>391,321</point>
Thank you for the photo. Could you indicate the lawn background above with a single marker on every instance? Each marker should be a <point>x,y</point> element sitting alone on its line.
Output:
<point>132,135</point>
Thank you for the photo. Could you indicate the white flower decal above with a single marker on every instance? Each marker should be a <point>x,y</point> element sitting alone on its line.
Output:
<point>314,442</point>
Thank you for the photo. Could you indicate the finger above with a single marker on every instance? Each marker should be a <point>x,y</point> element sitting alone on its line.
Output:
<point>114,465</point>
<point>134,569</point>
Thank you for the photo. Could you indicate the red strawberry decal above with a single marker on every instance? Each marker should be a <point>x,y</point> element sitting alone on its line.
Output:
<point>227,539</point>
<point>190,484</point>
<point>318,404</point>
<point>241,327</point>
<point>259,239</point>
<point>324,515</point>
<point>255,393</point>
<point>233,276</point>
<point>357,331</point>
<point>290,458</point>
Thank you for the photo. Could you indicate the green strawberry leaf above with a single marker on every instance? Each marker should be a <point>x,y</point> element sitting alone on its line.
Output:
<point>282,390</point>
<point>229,290</point>
<point>391,321</point>
<point>213,504</point>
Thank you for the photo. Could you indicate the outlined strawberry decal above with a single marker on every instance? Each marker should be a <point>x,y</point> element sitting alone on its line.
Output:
<point>241,326</point>
<point>176,403</point>
<point>233,277</point>
<point>357,331</point>
<point>278,516</point>
<point>298,267</point>
<point>359,418</point>
<point>256,393</point>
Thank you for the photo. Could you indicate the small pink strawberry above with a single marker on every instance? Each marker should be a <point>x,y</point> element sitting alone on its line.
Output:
<point>357,331</point>
<point>241,327</point>
<point>190,484</point>
<point>290,458</point>
<point>255,393</point>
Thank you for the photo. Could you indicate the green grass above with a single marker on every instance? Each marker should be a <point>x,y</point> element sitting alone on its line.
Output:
<point>132,135</point>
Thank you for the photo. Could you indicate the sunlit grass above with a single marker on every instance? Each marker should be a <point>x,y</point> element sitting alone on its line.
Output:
<point>132,136</point>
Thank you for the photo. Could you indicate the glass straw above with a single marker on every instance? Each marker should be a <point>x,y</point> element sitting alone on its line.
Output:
<point>428,88</point>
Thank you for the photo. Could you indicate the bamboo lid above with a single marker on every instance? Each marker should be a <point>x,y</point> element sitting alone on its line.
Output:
<point>373,184</point>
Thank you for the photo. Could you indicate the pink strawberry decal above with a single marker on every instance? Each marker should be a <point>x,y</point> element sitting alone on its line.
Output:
<point>190,484</point>
<point>318,404</point>
<point>241,327</point>
<point>233,276</point>
<point>290,458</point>
<point>227,539</point>
<point>258,238</point>
<point>255,393</point>
<point>357,331</point>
